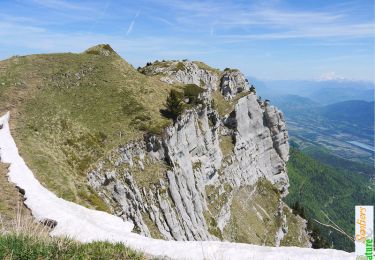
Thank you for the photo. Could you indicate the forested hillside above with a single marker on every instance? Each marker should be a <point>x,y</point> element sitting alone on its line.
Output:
<point>325,191</point>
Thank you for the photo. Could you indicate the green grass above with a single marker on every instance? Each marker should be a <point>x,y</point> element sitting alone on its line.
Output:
<point>204,66</point>
<point>319,187</point>
<point>223,106</point>
<point>21,246</point>
<point>220,104</point>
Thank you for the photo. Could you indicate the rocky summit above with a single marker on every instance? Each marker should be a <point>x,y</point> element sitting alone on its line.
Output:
<point>219,177</point>
<point>92,129</point>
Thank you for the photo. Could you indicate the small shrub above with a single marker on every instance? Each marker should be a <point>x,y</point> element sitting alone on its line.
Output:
<point>252,89</point>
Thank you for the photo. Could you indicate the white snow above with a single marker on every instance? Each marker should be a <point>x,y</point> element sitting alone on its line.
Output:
<point>87,225</point>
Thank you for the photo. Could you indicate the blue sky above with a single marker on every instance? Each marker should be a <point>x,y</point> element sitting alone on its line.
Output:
<point>274,39</point>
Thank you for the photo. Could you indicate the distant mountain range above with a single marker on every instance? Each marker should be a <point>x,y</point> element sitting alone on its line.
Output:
<point>355,112</point>
<point>338,115</point>
<point>322,92</point>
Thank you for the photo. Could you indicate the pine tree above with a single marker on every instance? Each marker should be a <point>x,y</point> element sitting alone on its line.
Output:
<point>174,104</point>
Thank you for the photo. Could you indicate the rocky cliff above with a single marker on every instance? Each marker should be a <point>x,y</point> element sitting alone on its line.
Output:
<point>219,172</point>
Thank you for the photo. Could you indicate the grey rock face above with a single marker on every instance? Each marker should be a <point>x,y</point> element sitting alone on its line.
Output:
<point>169,185</point>
<point>261,146</point>
<point>185,72</point>
<point>232,83</point>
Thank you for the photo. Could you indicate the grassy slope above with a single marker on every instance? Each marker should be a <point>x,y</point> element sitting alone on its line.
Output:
<point>11,201</point>
<point>69,110</point>
<point>20,246</point>
<point>319,187</point>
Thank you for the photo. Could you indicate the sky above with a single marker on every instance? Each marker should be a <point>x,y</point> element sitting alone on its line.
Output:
<point>265,39</point>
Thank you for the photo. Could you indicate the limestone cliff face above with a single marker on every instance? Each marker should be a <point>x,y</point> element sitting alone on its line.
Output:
<point>232,83</point>
<point>207,176</point>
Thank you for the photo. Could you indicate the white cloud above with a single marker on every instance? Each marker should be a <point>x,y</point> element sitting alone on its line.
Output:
<point>331,31</point>
<point>233,20</point>
<point>331,75</point>
<point>38,39</point>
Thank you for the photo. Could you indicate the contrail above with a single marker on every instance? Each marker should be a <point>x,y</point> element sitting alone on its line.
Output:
<point>131,25</point>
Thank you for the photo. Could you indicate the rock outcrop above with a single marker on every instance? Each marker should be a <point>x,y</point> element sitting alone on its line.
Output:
<point>184,72</point>
<point>206,172</point>
<point>232,83</point>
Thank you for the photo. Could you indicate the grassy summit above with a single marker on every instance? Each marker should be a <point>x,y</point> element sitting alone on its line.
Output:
<point>68,110</point>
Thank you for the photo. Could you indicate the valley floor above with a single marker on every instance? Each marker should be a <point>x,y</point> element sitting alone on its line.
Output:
<point>87,225</point>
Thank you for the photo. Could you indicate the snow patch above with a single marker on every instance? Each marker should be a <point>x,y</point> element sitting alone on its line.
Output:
<point>88,225</point>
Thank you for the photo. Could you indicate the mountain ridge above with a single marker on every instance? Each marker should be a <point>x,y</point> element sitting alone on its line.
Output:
<point>96,126</point>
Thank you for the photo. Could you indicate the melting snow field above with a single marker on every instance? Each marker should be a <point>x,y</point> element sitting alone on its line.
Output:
<point>88,225</point>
